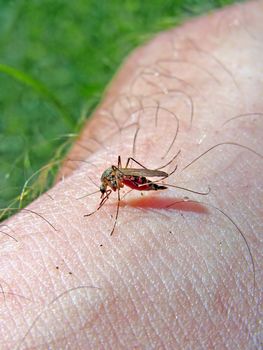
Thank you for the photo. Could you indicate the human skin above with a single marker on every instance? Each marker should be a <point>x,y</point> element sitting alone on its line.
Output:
<point>168,278</point>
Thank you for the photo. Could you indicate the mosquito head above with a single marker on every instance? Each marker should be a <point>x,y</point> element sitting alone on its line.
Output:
<point>105,180</point>
<point>108,178</point>
<point>103,188</point>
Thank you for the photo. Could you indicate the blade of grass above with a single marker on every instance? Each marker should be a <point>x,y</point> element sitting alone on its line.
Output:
<point>40,88</point>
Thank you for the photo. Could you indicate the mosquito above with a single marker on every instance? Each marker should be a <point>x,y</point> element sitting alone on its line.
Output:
<point>116,177</point>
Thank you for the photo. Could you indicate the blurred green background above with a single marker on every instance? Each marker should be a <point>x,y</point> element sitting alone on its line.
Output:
<point>56,57</point>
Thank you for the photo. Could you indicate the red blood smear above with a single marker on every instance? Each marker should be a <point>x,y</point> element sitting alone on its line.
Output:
<point>155,202</point>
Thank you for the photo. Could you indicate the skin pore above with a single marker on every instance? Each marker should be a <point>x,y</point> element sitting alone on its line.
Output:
<point>168,278</point>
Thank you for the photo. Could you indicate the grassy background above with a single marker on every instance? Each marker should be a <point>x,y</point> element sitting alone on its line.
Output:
<point>56,57</point>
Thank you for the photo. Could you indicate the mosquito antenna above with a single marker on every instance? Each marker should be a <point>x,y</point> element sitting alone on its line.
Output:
<point>89,194</point>
<point>86,195</point>
<point>236,226</point>
<point>221,144</point>
<point>94,183</point>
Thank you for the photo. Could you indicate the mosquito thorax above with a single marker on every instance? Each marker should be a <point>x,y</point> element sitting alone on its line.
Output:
<point>107,174</point>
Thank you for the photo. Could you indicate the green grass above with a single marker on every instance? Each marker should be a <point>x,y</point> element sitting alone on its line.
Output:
<point>56,57</point>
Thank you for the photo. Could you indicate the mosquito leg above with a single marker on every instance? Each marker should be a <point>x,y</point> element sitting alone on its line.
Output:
<point>127,163</point>
<point>163,166</point>
<point>103,201</point>
<point>117,213</point>
<point>130,158</point>
<point>108,192</point>
<point>119,162</point>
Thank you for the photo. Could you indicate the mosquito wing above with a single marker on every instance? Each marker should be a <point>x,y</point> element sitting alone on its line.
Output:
<point>143,172</point>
